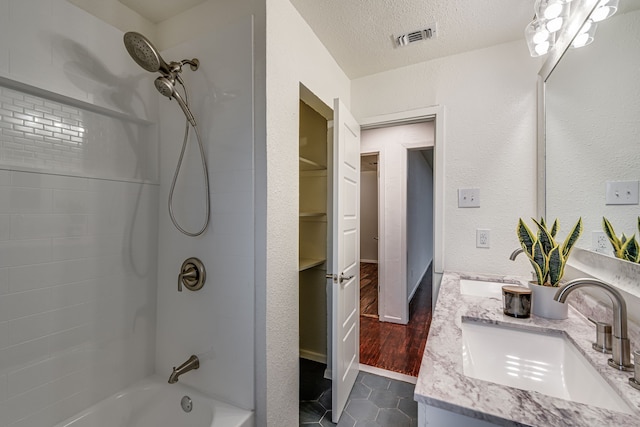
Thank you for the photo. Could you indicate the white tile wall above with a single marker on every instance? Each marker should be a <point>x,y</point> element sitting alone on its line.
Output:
<point>54,137</point>
<point>62,293</point>
<point>217,322</point>
<point>72,250</point>
<point>54,45</point>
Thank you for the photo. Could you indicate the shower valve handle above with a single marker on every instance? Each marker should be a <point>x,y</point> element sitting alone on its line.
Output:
<point>192,275</point>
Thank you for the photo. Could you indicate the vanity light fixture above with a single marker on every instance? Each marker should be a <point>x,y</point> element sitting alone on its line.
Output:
<point>539,39</point>
<point>585,35</point>
<point>552,18</point>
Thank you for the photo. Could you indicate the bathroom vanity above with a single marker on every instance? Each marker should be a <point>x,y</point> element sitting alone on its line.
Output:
<point>466,380</point>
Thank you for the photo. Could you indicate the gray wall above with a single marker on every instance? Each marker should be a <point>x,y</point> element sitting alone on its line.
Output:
<point>419,217</point>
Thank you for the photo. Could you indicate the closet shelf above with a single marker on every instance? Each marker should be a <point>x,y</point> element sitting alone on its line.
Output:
<point>307,263</point>
<point>312,214</point>
<point>310,165</point>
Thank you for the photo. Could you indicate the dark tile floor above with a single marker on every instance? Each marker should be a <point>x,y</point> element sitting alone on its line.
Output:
<point>374,400</point>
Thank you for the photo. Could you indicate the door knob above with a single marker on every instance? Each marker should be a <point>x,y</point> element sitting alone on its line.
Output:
<point>337,279</point>
<point>344,278</point>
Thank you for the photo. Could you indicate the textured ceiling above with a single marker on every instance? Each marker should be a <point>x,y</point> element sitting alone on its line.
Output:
<point>359,34</point>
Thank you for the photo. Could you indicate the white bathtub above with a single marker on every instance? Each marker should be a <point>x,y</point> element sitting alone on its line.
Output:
<point>155,403</point>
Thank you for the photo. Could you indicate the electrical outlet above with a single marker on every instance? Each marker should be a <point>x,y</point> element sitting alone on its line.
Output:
<point>483,238</point>
<point>600,242</point>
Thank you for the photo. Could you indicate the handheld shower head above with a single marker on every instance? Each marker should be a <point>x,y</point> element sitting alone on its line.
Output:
<point>144,53</point>
<point>167,88</point>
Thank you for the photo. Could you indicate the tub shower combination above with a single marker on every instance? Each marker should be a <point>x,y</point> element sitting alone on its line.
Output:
<point>156,402</point>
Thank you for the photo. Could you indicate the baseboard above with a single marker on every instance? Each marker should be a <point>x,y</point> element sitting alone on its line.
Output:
<point>369,261</point>
<point>311,355</point>
<point>327,373</point>
<point>388,374</point>
<point>392,319</point>
<point>417,284</point>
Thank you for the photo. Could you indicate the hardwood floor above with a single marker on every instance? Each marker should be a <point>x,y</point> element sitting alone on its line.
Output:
<point>369,289</point>
<point>396,347</point>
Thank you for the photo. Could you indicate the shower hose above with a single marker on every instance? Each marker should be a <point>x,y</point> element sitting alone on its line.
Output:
<point>204,169</point>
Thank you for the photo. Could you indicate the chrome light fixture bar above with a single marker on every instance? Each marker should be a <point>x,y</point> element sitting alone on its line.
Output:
<point>553,18</point>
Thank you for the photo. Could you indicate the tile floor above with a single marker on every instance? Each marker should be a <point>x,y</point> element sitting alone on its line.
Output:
<point>374,400</point>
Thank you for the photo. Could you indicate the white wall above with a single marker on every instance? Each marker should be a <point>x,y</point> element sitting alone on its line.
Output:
<point>118,15</point>
<point>419,219</point>
<point>295,56</point>
<point>78,215</point>
<point>368,216</point>
<point>489,100</point>
<point>198,23</point>
<point>392,143</point>
<point>217,322</point>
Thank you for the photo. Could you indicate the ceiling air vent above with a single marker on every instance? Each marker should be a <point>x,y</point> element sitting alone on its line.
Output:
<point>415,36</point>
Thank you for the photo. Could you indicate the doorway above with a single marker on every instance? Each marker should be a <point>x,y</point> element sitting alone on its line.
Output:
<point>369,184</point>
<point>329,193</point>
<point>400,161</point>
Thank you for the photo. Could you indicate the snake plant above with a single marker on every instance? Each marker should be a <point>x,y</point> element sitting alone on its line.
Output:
<point>547,256</point>
<point>624,247</point>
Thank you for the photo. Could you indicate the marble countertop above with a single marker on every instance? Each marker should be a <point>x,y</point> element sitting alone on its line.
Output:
<point>442,383</point>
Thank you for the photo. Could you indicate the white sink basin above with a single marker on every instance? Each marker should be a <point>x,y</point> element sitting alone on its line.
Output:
<point>549,364</point>
<point>481,288</point>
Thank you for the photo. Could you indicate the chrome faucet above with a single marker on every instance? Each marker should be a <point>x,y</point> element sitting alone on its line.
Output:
<point>513,257</point>
<point>621,359</point>
<point>191,364</point>
<point>515,253</point>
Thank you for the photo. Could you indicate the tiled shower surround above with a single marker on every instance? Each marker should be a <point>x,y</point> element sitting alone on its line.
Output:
<point>39,133</point>
<point>78,258</point>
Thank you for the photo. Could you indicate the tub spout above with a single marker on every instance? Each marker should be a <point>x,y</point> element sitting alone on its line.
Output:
<point>621,345</point>
<point>191,364</point>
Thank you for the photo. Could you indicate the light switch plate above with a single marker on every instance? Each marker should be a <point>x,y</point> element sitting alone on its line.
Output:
<point>622,193</point>
<point>468,197</point>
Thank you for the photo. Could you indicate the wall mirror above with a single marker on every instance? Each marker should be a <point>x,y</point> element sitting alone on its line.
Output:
<point>591,128</point>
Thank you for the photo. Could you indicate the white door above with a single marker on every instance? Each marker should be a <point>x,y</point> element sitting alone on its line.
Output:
<point>346,257</point>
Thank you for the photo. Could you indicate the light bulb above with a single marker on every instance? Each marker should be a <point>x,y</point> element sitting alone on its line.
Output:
<point>555,24</point>
<point>605,9</point>
<point>542,48</point>
<point>553,10</point>
<point>541,36</point>
<point>539,39</point>
<point>586,27</point>
<point>601,13</point>
<point>580,40</point>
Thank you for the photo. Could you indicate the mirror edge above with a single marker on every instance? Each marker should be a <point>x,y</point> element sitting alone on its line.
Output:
<point>580,16</point>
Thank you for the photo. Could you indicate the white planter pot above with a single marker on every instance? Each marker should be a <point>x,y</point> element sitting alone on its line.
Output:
<point>543,304</point>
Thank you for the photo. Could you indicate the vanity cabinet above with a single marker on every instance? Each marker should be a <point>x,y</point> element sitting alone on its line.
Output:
<point>430,416</point>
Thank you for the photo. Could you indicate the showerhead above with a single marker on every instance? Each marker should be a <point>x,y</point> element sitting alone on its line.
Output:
<point>144,53</point>
<point>167,88</point>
